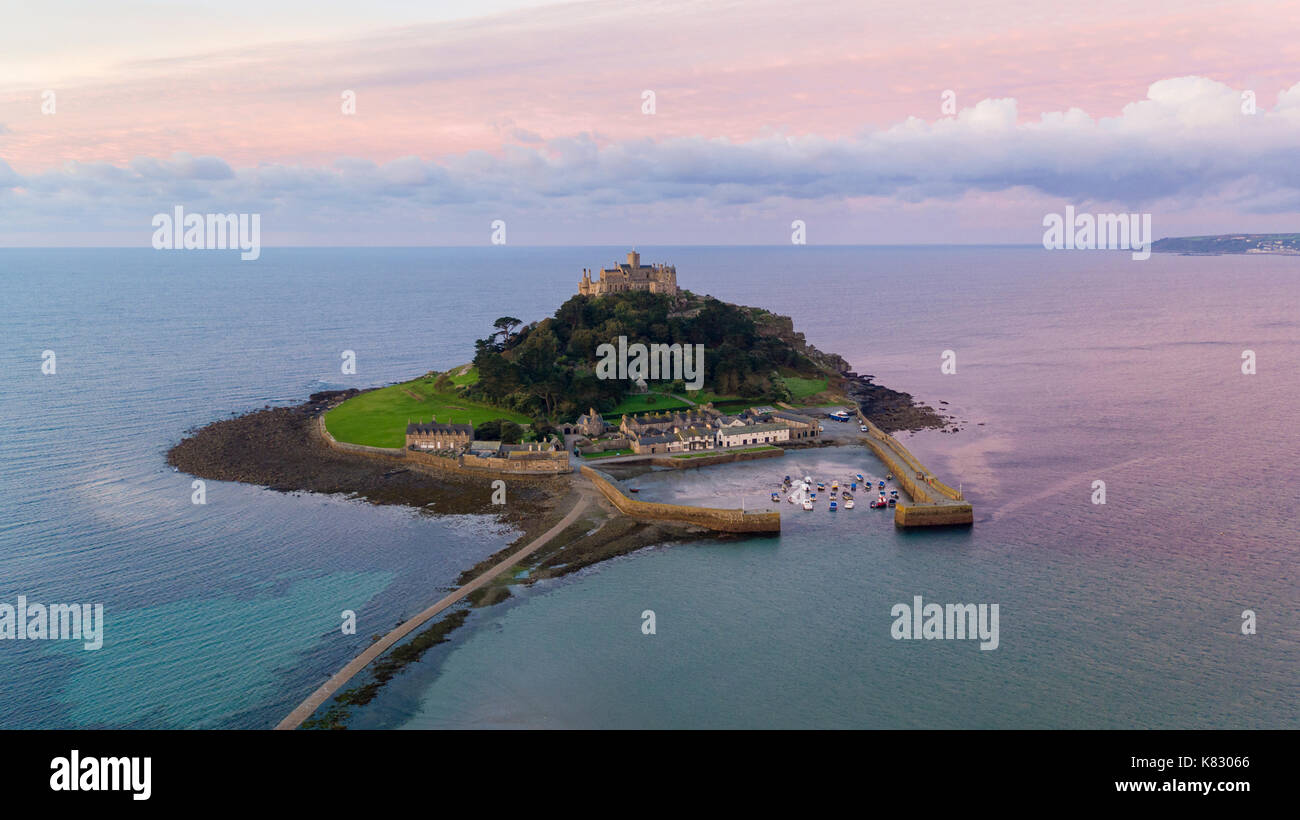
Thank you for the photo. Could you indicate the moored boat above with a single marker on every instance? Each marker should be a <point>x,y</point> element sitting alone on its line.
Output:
<point>833,506</point>
<point>848,503</point>
<point>807,505</point>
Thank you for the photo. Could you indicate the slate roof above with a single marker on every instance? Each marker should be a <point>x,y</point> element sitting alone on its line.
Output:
<point>660,439</point>
<point>449,429</point>
<point>756,428</point>
<point>694,432</point>
<point>782,414</point>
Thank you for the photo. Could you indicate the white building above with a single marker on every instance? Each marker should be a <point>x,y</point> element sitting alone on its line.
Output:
<point>752,434</point>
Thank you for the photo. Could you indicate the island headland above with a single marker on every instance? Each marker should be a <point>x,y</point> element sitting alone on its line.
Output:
<point>1284,244</point>
<point>531,408</point>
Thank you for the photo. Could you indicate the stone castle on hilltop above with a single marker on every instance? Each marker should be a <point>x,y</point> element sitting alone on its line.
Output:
<point>630,275</point>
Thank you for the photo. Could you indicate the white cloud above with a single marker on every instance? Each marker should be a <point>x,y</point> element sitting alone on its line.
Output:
<point>1188,142</point>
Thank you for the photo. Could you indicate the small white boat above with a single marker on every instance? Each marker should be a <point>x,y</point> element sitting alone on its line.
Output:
<point>848,505</point>
<point>807,505</point>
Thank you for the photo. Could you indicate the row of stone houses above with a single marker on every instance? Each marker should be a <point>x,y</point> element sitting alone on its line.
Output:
<point>704,416</point>
<point>701,428</point>
<point>434,436</point>
<point>454,439</point>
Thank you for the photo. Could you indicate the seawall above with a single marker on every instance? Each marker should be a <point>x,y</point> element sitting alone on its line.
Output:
<point>933,503</point>
<point>713,459</point>
<point>934,515</point>
<point>524,464</point>
<point>712,518</point>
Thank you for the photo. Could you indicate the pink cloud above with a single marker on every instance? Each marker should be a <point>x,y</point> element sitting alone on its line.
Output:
<point>830,69</point>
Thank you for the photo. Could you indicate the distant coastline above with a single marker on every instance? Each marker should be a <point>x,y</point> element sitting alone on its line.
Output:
<point>1281,244</point>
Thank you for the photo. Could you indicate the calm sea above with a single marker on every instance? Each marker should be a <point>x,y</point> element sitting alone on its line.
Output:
<point>1072,367</point>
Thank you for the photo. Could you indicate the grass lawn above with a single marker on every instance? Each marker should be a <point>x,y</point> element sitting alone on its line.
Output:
<point>468,377</point>
<point>378,418</point>
<point>609,453</point>
<point>801,389</point>
<point>706,396</point>
<point>655,403</point>
<point>645,403</point>
<point>738,406</point>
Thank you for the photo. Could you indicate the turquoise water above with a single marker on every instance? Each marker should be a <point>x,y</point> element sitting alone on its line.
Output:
<point>1072,367</point>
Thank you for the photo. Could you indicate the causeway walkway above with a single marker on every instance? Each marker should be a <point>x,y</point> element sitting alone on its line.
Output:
<point>305,709</point>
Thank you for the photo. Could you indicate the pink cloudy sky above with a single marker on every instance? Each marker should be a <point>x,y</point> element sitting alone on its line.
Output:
<point>531,112</point>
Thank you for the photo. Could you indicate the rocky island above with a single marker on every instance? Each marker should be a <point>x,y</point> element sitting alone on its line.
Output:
<point>531,407</point>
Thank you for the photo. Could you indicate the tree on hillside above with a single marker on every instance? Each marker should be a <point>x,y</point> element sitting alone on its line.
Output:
<point>546,369</point>
<point>505,327</point>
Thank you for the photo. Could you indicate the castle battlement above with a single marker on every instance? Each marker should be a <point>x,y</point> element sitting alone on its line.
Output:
<point>630,275</point>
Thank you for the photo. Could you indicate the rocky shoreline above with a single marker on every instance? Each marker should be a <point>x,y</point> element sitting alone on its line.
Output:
<point>890,410</point>
<point>277,447</point>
